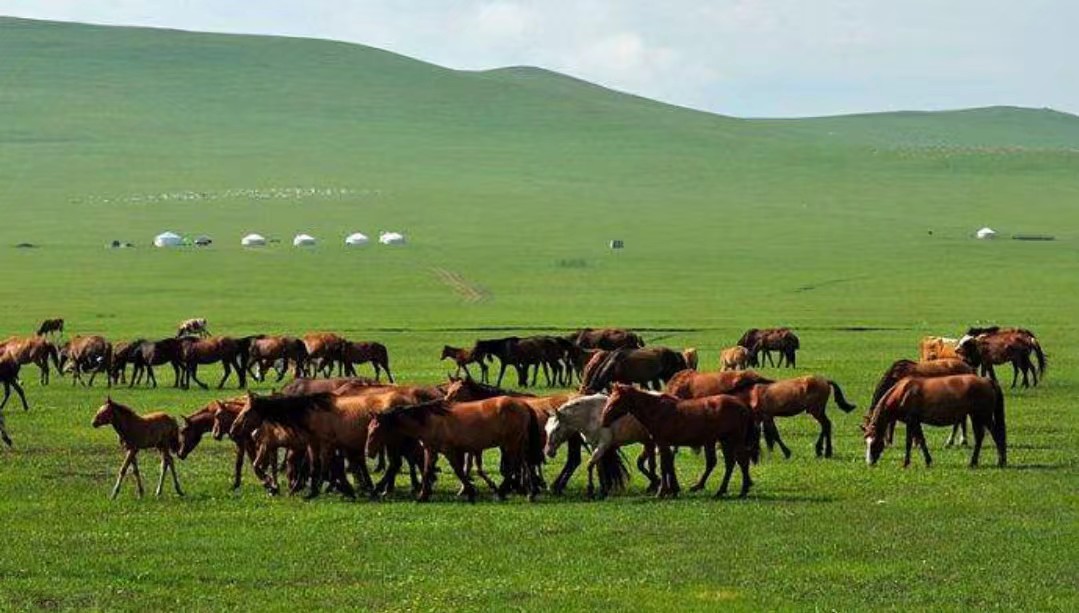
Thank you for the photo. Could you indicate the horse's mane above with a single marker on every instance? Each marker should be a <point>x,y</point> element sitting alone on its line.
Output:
<point>420,411</point>
<point>495,391</point>
<point>898,370</point>
<point>123,408</point>
<point>984,330</point>
<point>290,411</point>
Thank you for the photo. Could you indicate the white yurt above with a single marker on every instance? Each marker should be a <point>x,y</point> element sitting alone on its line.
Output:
<point>391,238</point>
<point>303,240</point>
<point>253,240</point>
<point>356,239</point>
<point>168,239</point>
<point>985,233</point>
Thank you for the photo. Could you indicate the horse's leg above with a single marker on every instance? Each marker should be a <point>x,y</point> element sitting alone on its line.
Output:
<point>175,479</point>
<point>773,431</point>
<point>123,473</point>
<point>238,467</point>
<point>457,463</point>
<point>227,366</point>
<point>18,390</point>
<point>573,460</point>
<point>362,474</point>
<point>668,479</point>
<point>138,475</point>
<point>1000,439</point>
<point>501,372</point>
<point>484,372</point>
<point>909,442</point>
<point>161,479</point>
<point>646,463</point>
<point>709,466</point>
<point>429,458</point>
<point>978,426</point>
<point>728,469</point>
<point>193,375</point>
<point>826,433</point>
<point>920,435</point>
<point>477,458</point>
<point>314,460</point>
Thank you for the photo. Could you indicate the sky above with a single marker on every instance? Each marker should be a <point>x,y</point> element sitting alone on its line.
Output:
<point>749,58</point>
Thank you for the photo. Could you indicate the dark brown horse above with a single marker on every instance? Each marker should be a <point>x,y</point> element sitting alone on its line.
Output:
<point>651,366</point>
<point>9,377</point>
<point>986,347</point>
<point>324,349</point>
<point>701,422</point>
<point>939,401</point>
<point>148,354</point>
<point>224,349</point>
<point>505,423</point>
<point>151,431</point>
<point>91,354</point>
<point>50,326</point>
<point>363,352</point>
<point>762,341</point>
<point>605,338</point>
<point>462,358</point>
<point>268,351</point>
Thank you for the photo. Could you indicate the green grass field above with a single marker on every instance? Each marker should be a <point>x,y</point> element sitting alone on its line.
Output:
<point>515,180</point>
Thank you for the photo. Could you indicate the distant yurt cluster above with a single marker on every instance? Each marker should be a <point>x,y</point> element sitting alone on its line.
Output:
<point>254,239</point>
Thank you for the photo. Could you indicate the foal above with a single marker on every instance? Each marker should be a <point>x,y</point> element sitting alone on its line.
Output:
<point>153,430</point>
<point>464,357</point>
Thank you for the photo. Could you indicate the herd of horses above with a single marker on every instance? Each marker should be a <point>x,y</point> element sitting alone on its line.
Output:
<point>321,430</point>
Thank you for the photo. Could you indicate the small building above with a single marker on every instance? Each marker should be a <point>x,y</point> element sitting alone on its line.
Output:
<point>253,240</point>
<point>616,244</point>
<point>986,233</point>
<point>168,239</point>
<point>356,239</point>
<point>303,240</point>
<point>203,241</point>
<point>391,238</point>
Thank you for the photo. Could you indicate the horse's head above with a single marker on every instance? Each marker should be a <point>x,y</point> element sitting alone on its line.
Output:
<point>557,433</point>
<point>617,404</point>
<point>377,433</point>
<point>223,421</point>
<point>190,435</point>
<point>448,352</point>
<point>874,442</point>
<point>104,414</point>
<point>247,420</point>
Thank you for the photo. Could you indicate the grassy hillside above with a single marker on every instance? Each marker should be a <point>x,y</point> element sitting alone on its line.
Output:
<point>854,230</point>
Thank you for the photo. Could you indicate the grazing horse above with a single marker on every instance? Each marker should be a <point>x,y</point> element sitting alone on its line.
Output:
<point>939,401</point>
<point>193,327</point>
<point>323,349</point>
<point>690,384</point>
<point>649,366</point>
<point>781,340</point>
<point>91,354</point>
<point>987,347</point>
<point>266,352</point>
<point>937,348</point>
<point>201,422</point>
<point>363,352</point>
<point>734,358</point>
<point>155,353</point>
<point>304,385</point>
<point>33,350</point>
<point>9,377</point>
<point>50,326</point>
<point>791,397</point>
<point>222,349</point>
<point>580,417</point>
<point>608,339</point>
<point>153,430</point>
<point>464,357</point>
<point>901,369</point>
<point>701,422</point>
<point>468,427</point>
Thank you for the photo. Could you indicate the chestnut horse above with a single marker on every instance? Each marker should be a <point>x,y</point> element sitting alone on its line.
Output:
<point>202,422</point>
<point>151,431</point>
<point>267,351</point>
<point>690,384</point>
<point>791,397</point>
<point>91,354</point>
<point>222,349</point>
<point>939,401</point>
<point>363,352</point>
<point>464,357</point>
<point>50,326</point>
<point>33,350</point>
<point>986,347</point>
<point>701,422</point>
<point>934,368</point>
<point>468,427</point>
<point>323,349</point>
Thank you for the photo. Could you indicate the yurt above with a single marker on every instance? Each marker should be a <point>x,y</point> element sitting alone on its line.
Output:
<point>303,240</point>
<point>356,239</point>
<point>391,238</point>
<point>253,240</point>
<point>203,241</point>
<point>985,233</point>
<point>168,239</point>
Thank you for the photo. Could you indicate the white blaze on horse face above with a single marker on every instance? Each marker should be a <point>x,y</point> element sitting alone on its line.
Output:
<point>959,343</point>
<point>869,450</point>
<point>552,424</point>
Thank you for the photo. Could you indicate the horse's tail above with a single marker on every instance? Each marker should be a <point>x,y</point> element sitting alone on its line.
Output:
<point>840,399</point>
<point>613,474</point>
<point>535,440</point>
<point>998,421</point>
<point>1042,362</point>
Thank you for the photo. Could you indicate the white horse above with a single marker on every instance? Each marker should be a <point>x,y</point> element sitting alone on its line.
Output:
<point>196,326</point>
<point>581,417</point>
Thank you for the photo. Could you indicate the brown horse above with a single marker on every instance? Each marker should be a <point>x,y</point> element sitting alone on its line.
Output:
<point>988,347</point>
<point>148,354</point>
<point>901,369</point>
<point>9,377</point>
<point>791,397</point>
<point>608,339</point>
<point>468,427</point>
<point>91,354</point>
<point>652,366</point>
<point>363,352</point>
<point>781,340</point>
<point>224,349</point>
<point>267,351</point>
<point>701,422</point>
<point>734,358</point>
<point>939,401</point>
<point>264,443</point>
<point>690,384</point>
<point>151,431</point>
<point>50,326</point>
<point>464,357</point>
<point>323,350</point>
<point>33,350</point>
<point>306,385</point>
<point>202,422</point>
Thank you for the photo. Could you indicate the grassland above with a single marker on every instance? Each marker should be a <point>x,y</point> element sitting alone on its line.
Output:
<point>513,180</point>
